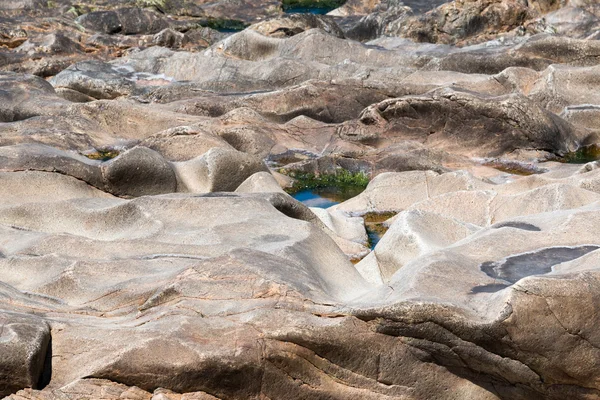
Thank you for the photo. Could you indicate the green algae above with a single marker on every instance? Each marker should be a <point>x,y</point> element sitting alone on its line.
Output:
<point>342,181</point>
<point>102,155</point>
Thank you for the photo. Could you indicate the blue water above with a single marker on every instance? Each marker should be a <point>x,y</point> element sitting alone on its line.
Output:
<point>327,197</point>
<point>311,198</point>
<point>308,10</point>
<point>374,237</point>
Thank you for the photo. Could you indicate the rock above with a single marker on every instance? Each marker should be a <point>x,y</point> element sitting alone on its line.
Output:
<point>96,79</point>
<point>574,22</point>
<point>247,11</point>
<point>126,21</point>
<point>51,44</point>
<point>347,227</point>
<point>456,21</point>
<point>251,140</point>
<point>201,38</point>
<point>17,100</point>
<point>260,182</point>
<point>184,143</point>
<point>293,24</point>
<point>44,187</point>
<point>101,21</point>
<point>413,234</point>
<point>139,172</point>
<point>410,156</point>
<point>267,225</point>
<point>11,36</point>
<point>398,191</point>
<point>433,118</point>
<point>21,4</point>
<point>174,7</point>
<point>168,38</point>
<point>35,157</point>
<point>24,343</point>
<point>560,86</point>
<point>354,7</point>
<point>218,170</point>
<point>380,22</point>
<point>318,100</point>
<point>114,41</point>
<point>173,265</point>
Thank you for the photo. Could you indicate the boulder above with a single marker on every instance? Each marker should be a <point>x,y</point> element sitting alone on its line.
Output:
<point>95,79</point>
<point>139,172</point>
<point>482,125</point>
<point>24,343</point>
<point>458,21</point>
<point>127,21</point>
<point>260,182</point>
<point>184,143</point>
<point>54,43</point>
<point>26,96</point>
<point>294,24</point>
<point>218,170</point>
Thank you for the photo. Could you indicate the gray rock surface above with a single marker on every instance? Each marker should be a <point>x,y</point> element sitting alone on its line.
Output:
<point>149,250</point>
<point>24,346</point>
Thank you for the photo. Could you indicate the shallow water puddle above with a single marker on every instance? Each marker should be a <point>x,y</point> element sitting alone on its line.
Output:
<point>374,223</point>
<point>326,197</point>
<point>102,155</point>
<point>519,266</point>
<point>308,10</point>
<point>310,6</point>
<point>329,196</point>
<point>583,155</point>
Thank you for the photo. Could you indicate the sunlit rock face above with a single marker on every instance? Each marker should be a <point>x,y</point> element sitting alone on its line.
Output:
<point>299,199</point>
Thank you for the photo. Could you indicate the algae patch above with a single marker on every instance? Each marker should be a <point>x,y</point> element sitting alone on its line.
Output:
<point>583,155</point>
<point>102,155</point>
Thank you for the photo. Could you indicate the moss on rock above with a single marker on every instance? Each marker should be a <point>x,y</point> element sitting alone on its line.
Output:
<point>341,179</point>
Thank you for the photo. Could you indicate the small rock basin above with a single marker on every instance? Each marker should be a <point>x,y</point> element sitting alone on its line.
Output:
<point>325,197</point>
<point>539,262</point>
